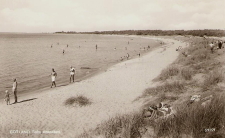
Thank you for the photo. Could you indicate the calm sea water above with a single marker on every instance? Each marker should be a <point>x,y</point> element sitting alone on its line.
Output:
<point>30,58</point>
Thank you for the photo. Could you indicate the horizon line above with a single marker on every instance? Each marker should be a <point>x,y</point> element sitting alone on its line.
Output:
<point>121,30</point>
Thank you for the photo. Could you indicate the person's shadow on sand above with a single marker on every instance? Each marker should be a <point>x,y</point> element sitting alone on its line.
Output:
<point>25,100</point>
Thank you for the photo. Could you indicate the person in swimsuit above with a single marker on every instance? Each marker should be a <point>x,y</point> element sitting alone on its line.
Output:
<point>53,76</point>
<point>14,90</point>
<point>7,98</point>
<point>72,73</point>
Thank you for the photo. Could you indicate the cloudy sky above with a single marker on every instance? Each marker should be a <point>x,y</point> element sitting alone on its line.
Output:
<point>100,15</point>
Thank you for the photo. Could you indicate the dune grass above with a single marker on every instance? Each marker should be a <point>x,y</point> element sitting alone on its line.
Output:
<point>187,73</point>
<point>194,120</point>
<point>164,96</point>
<point>79,100</point>
<point>175,87</point>
<point>216,76</point>
<point>121,126</point>
<point>170,71</point>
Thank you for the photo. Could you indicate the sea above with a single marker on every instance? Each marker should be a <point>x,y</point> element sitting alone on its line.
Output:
<point>30,57</point>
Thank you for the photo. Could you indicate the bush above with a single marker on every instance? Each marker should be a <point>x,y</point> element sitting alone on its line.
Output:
<point>79,100</point>
<point>174,87</point>
<point>201,55</point>
<point>197,54</point>
<point>170,71</point>
<point>187,73</point>
<point>213,78</point>
<point>163,97</point>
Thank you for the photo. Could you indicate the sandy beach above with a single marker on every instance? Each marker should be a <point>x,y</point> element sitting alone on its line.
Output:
<point>111,92</point>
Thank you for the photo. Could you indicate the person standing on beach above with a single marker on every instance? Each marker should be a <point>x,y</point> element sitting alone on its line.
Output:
<point>53,76</point>
<point>96,46</point>
<point>14,90</point>
<point>63,51</point>
<point>128,56</point>
<point>7,98</point>
<point>220,43</point>
<point>211,47</point>
<point>72,74</point>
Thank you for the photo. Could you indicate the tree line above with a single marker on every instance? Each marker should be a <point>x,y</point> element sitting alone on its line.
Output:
<point>201,33</point>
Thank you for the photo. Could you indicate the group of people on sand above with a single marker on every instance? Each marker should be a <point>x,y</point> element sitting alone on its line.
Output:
<point>53,77</point>
<point>158,111</point>
<point>218,45</point>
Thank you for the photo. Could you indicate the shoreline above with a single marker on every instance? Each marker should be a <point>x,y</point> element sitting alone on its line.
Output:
<point>111,93</point>
<point>92,73</point>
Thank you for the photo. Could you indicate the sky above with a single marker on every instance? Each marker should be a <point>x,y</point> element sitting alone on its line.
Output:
<point>103,15</point>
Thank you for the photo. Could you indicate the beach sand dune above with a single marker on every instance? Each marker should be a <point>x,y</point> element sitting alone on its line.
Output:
<point>111,92</point>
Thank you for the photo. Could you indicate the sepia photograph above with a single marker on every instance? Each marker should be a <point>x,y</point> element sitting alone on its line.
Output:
<point>112,69</point>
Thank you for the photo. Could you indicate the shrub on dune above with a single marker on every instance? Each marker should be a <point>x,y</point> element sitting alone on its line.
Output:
<point>187,73</point>
<point>170,71</point>
<point>174,87</point>
<point>201,55</point>
<point>213,78</point>
<point>79,100</point>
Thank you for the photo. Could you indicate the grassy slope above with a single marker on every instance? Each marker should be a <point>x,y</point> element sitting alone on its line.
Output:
<point>202,72</point>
